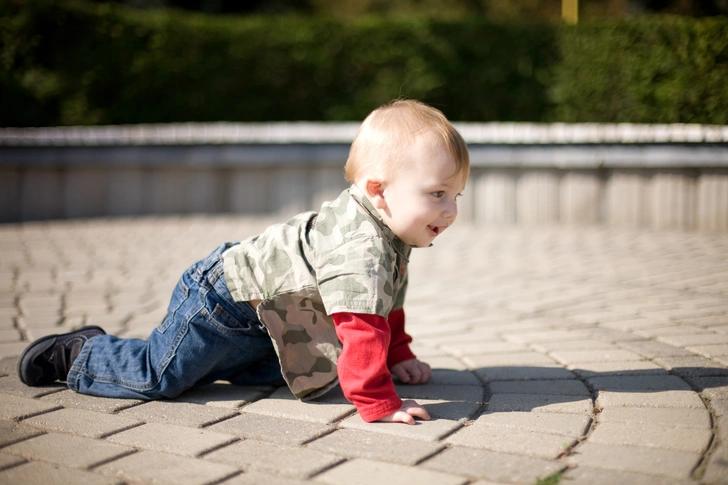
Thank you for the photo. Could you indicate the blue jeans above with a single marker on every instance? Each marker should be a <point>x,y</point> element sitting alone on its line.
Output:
<point>206,336</point>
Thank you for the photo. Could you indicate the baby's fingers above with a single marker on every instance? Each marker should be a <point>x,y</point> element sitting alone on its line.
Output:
<point>403,417</point>
<point>401,373</point>
<point>415,410</point>
<point>426,372</point>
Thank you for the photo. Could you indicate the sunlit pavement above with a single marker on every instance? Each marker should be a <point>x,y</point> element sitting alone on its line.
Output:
<point>598,352</point>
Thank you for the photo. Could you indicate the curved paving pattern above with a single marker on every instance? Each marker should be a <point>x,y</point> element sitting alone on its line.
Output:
<point>598,353</point>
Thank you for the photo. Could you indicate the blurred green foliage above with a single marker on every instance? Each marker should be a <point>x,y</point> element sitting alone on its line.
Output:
<point>666,70</point>
<point>492,9</point>
<point>73,63</point>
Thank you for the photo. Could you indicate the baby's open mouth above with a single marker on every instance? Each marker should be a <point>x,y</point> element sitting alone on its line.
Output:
<point>435,230</point>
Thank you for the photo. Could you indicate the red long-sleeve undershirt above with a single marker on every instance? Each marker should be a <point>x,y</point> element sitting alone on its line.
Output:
<point>371,345</point>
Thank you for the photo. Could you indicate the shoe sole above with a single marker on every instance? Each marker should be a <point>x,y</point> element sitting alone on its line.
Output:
<point>31,374</point>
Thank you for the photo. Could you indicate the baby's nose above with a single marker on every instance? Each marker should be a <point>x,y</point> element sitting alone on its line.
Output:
<point>451,211</point>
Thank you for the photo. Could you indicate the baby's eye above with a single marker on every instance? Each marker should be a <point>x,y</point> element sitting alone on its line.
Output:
<point>439,194</point>
<point>458,196</point>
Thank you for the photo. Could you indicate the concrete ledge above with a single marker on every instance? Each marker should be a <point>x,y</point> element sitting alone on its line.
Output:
<point>335,154</point>
<point>310,132</point>
<point>655,176</point>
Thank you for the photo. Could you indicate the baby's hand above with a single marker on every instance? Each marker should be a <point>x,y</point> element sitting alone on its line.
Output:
<point>412,371</point>
<point>407,413</point>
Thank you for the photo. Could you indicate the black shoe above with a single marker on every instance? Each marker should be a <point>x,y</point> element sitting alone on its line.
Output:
<point>49,358</point>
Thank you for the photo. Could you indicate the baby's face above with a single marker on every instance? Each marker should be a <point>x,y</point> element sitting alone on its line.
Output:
<point>421,199</point>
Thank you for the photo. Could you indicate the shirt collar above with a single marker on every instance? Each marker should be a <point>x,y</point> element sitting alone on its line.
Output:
<point>400,246</point>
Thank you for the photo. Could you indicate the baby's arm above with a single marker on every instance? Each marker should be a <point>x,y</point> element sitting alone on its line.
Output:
<point>363,373</point>
<point>400,359</point>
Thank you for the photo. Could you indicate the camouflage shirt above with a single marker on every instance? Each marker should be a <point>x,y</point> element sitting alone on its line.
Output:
<point>341,259</point>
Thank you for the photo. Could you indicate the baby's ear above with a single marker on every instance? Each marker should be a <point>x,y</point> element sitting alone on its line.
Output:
<point>374,190</point>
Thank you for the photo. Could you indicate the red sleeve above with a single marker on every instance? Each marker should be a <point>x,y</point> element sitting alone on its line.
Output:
<point>399,349</point>
<point>362,367</point>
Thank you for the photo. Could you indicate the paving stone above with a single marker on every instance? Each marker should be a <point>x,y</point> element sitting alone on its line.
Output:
<point>516,441</point>
<point>38,472</point>
<point>268,428</point>
<point>489,465</point>
<point>12,385</point>
<point>596,476</point>
<point>586,356</point>
<point>448,377</point>
<point>256,478</point>
<point>637,323</point>
<point>163,468</point>
<point>721,359</point>
<point>434,391</point>
<point>708,320</point>
<point>223,395</point>
<point>67,450</point>
<point>565,387</point>
<point>586,344</point>
<point>171,439</point>
<point>179,413</point>
<point>699,339</point>
<point>716,466</point>
<point>12,432</point>
<point>450,410</point>
<point>510,373</point>
<point>81,422</point>
<point>519,359</point>
<point>35,333</point>
<point>284,405</point>
<point>638,383</point>
<point>657,418</point>
<point>8,461</point>
<point>547,403</point>
<point>482,348</point>
<point>45,320</point>
<point>645,435</point>
<point>425,351</point>
<point>17,408</point>
<point>365,472</point>
<point>8,366</point>
<point>13,349</point>
<point>670,463</point>
<point>661,399</point>
<point>354,443</point>
<point>671,330</point>
<point>692,366</point>
<point>603,275</point>
<point>602,317</point>
<point>434,330</point>
<point>722,328</point>
<point>554,423</point>
<point>713,387</point>
<point>445,363</point>
<point>432,430</point>
<point>72,399</point>
<point>605,369</point>
<point>275,459</point>
<point>10,336</point>
<point>710,350</point>
<point>611,335</point>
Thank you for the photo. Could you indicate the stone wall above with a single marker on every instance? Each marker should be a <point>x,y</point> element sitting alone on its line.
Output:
<point>652,176</point>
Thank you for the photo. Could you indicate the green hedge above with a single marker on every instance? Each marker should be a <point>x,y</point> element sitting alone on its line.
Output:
<point>68,62</point>
<point>669,70</point>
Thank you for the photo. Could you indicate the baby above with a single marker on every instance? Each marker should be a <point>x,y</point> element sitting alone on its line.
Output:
<point>311,303</point>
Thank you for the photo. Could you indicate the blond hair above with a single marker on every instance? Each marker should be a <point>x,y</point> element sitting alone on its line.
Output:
<point>389,131</point>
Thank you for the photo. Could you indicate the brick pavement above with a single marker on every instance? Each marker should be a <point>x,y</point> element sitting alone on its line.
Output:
<point>601,353</point>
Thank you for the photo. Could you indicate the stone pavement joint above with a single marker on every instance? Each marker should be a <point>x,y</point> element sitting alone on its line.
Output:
<point>599,352</point>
